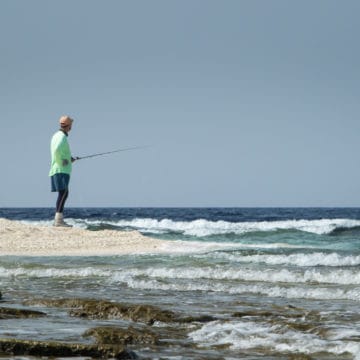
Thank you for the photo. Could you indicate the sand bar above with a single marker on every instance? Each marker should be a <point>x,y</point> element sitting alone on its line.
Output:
<point>21,239</point>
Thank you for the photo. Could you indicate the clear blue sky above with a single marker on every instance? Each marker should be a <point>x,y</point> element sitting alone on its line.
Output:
<point>247,103</point>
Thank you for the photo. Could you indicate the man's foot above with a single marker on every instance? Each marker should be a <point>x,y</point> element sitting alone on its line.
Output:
<point>59,221</point>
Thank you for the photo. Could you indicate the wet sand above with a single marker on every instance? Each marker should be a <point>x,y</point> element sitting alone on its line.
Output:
<point>21,239</point>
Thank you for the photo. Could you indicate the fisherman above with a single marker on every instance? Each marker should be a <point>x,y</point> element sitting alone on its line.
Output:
<point>61,165</point>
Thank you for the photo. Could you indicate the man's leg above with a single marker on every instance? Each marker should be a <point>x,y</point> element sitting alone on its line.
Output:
<point>60,203</point>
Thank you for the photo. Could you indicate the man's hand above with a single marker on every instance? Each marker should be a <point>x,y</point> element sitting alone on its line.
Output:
<point>65,162</point>
<point>74,159</point>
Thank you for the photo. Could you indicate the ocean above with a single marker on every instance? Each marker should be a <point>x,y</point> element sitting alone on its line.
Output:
<point>278,283</point>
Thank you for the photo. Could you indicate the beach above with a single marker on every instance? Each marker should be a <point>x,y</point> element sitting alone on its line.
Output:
<point>21,239</point>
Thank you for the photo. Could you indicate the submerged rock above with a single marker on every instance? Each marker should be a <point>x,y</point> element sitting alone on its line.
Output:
<point>100,309</point>
<point>115,335</point>
<point>199,319</point>
<point>105,310</point>
<point>11,313</point>
<point>248,313</point>
<point>16,347</point>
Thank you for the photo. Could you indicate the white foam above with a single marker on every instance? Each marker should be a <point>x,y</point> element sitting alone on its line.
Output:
<point>251,335</point>
<point>342,332</point>
<point>340,277</point>
<point>299,259</point>
<point>52,272</point>
<point>188,247</point>
<point>203,227</point>
<point>283,283</point>
<point>292,292</point>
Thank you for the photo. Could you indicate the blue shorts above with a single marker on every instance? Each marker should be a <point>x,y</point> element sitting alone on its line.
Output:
<point>60,182</point>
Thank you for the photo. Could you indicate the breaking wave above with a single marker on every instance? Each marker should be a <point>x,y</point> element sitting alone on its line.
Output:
<point>176,275</point>
<point>202,228</point>
<point>298,259</point>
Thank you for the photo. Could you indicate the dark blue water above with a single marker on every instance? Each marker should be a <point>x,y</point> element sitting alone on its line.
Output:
<point>186,214</point>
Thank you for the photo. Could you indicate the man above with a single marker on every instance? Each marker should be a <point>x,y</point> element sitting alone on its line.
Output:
<point>61,165</point>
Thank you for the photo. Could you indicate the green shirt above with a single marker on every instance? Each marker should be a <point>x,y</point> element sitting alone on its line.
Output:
<point>60,151</point>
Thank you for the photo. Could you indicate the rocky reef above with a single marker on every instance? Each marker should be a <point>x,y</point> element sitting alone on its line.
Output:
<point>102,309</point>
<point>11,313</point>
<point>134,327</point>
<point>115,335</point>
<point>107,341</point>
<point>17,347</point>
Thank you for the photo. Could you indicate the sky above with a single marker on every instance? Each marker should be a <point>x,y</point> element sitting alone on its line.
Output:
<point>244,103</point>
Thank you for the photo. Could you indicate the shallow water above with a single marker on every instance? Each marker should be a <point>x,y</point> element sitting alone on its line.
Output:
<point>280,282</point>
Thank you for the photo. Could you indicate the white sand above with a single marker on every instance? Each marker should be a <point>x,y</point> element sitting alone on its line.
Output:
<point>21,239</point>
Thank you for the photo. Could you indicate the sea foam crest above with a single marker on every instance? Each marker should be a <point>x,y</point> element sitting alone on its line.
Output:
<point>340,276</point>
<point>299,259</point>
<point>218,273</point>
<point>293,292</point>
<point>52,272</point>
<point>203,227</point>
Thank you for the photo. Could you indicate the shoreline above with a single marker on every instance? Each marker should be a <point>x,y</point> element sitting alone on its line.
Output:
<point>18,239</point>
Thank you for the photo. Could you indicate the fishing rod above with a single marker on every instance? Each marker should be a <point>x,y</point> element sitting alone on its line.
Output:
<point>110,152</point>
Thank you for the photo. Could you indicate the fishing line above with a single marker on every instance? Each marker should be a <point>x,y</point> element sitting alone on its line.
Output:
<point>111,152</point>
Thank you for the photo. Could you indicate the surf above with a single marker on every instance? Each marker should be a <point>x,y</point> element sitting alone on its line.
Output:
<point>206,228</point>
